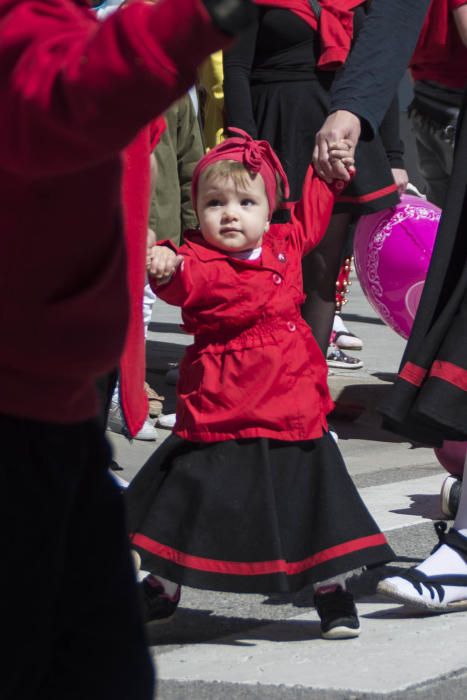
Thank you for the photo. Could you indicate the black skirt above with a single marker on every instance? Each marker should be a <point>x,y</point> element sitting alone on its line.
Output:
<point>289,115</point>
<point>250,516</point>
<point>429,400</point>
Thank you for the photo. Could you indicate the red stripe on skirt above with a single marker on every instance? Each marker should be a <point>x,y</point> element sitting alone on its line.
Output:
<point>383,192</point>
<point>450,373</point>
<point>235,568</point>
<point>413,373</point>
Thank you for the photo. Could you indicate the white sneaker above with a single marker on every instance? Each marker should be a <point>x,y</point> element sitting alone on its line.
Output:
<point>147,432</point>
<point>167,421</point>
<point>116,424</point>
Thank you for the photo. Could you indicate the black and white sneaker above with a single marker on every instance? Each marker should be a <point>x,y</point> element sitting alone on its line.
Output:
<point>450,496</point>
<point>339,359</point>
<point>338,614</point>
<point>158,607</point>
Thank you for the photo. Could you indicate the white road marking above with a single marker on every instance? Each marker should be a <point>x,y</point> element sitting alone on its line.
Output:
<point>404,503</point>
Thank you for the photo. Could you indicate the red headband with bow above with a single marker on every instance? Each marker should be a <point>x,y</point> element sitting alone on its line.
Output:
<point>256,156</point>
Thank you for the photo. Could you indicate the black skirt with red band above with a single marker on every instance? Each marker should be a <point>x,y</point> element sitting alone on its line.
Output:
<point>250,516</point>
<point>429,400</point>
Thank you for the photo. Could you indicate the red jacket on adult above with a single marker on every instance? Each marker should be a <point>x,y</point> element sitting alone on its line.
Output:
<point>254,369</point>
<point>74,92</point>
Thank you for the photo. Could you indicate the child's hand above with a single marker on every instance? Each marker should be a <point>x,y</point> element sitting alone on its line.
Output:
<point>342,150</point>
<point>162,263</point>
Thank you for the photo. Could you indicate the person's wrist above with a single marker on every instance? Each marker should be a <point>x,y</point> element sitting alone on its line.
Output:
<point>231,16</point>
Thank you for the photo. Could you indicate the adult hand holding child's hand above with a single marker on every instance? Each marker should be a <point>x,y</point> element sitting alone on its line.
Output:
<point>162,263</point>
<point>340,125</point>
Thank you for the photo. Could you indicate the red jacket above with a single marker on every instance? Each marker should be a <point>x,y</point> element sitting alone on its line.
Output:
<point>254,369</point>
<point>73,93</point>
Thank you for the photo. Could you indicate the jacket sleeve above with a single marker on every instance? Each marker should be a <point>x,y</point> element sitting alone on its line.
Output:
<point>377,62</point>
<point>181,289</point>
<point>237,92</point>
<point>312,213</point>
<point>75,91</point>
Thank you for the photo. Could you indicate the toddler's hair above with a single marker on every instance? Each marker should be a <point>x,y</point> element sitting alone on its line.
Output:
<point>224,169</point>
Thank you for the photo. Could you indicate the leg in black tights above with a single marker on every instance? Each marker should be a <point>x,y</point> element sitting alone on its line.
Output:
<point>320,272</point>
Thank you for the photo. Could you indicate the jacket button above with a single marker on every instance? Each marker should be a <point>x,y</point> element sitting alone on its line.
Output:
<point>276,278</point>
<point>291,326</point>
<point>281,257</point>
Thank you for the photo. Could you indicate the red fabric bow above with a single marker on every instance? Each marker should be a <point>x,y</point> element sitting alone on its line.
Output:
<point>257,157</point>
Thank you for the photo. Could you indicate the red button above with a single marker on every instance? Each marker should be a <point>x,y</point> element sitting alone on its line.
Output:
<point>276,278</point>
<point>291,326</point>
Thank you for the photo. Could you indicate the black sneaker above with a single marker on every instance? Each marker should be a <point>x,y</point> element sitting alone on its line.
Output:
<point>450,496</point>
<point>338,614</point>
<point>157,605</point>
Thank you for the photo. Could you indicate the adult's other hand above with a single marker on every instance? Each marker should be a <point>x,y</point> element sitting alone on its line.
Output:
<point>339,125</point>
<point>401,179</point>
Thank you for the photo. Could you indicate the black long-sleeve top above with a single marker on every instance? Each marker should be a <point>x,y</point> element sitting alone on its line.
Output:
<point>280,44</point>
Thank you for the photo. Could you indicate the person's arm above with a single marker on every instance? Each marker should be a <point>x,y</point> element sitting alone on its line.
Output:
<point>75,91</point>
<point>362,91</point>
<point>153,172</point>
<point>389,132</point>
<point>189,152</point>
<point>237,92</point>
<point>460,18</point>
<point>312,213</point>
<point>378,59</point>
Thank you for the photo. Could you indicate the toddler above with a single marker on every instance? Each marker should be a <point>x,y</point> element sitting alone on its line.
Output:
<point>250,494</point>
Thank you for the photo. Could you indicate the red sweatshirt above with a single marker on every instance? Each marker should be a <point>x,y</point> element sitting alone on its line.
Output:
<point>440,54</point>
<point>74,92</point>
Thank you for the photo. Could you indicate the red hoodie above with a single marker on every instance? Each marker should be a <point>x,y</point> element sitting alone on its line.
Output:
<point>440,54</point>
<point>74,92</point>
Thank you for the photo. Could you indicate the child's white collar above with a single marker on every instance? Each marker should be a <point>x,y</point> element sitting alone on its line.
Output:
<point>252,254</point>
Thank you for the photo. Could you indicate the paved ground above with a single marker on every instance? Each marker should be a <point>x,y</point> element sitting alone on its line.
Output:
<point>239,647</point>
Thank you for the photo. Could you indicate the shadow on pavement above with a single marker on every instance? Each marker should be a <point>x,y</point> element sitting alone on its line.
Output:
<point>422,504</point>
<point>198,626</point>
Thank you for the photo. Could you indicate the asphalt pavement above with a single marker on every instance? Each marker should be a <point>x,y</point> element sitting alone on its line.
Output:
<point>237,647</point>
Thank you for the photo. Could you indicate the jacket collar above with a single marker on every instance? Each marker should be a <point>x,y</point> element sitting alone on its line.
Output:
<point>271,256</point>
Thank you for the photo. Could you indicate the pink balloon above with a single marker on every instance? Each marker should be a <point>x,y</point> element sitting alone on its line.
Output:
<point>451,456</point>
<point>392,251</point>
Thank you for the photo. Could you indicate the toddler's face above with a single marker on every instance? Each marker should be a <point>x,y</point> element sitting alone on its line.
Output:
<point>233,216</point>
